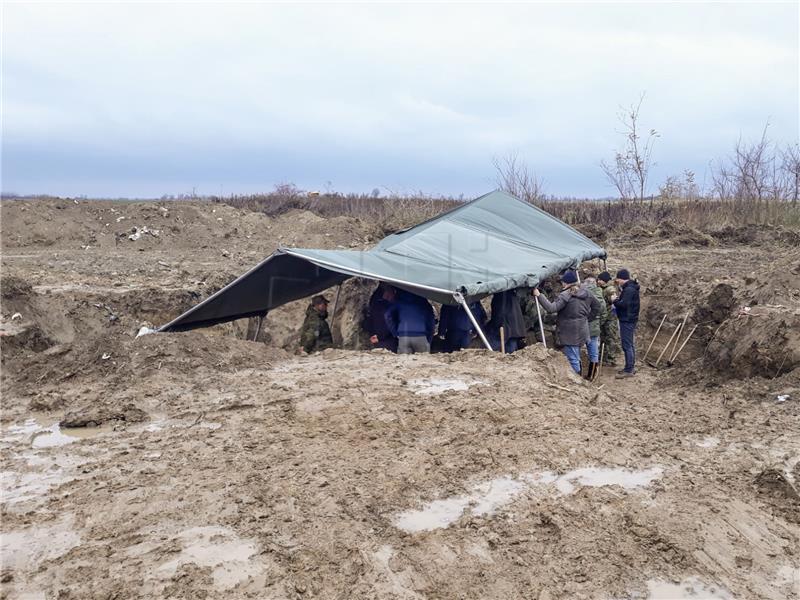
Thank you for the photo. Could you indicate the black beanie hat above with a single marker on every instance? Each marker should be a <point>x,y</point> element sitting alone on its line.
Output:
<point>623,274</point>
<point>604,276</point>
<point>569,277</point>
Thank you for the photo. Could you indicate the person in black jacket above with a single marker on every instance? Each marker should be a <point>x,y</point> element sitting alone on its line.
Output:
<point>627,309</point>
<point>379,334</point>
<point>455,326</point>
<point>506,313</point>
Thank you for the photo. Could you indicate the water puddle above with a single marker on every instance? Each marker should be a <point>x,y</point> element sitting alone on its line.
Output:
<point>691,588</point>
<point>599,477</point>
<point>162,424</point>
<point>708,442</point>
<point>230,557</point>
<point>485,499</point>
<point>434,387</point>
<point>50,435</point>
<point>55,435</point>
<point>25,549</point>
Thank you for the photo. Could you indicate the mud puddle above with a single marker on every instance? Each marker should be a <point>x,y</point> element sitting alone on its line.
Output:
<point>434,387</point>
<point>25,549</point>
<point>43,433</point>
<point>231,558</point>
<point>486,498</point>
<point>691,588</point>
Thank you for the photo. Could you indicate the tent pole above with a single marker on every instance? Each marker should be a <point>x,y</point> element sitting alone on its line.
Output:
<point>335,304</point>
<point>258,327</point>
<point>541,326</point>
<point>460,299</point>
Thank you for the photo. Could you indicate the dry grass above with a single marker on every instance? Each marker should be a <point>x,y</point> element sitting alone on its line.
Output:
<point>398,212</point>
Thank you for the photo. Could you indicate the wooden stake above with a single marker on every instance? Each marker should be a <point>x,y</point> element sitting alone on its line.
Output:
<point>680,331</point>
<point>502,340</point>
<point>664,351</point>
<point>678,339</point>
<point>683,344</point>
<point>600,364</point>
<point>664,318</point>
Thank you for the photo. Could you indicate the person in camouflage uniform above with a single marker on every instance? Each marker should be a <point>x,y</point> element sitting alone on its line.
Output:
<point>315,335</point>
<point>609,329</point>
<point>595,326</point>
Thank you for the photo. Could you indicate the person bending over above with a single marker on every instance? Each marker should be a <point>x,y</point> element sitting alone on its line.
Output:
<point>574,308</point>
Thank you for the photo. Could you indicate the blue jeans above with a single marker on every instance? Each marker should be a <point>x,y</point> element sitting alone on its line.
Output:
<point>573,354</point>
<point>626,331</point>
<point>512,344</point>
<point>593,348</point>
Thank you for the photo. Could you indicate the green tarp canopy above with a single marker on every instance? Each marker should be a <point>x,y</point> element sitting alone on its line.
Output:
<point>491,244</point>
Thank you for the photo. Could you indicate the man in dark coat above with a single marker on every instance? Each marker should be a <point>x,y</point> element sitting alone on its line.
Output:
<point>575,307</point>
<point>379,334</point>
<point>506,313</point>
<point>456,327</point>
<point>410,318</point>
<point>627,308</point>
<point>315,335</point>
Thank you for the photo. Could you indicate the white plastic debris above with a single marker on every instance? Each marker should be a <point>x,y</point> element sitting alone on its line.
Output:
<point>16,316</point>
<point>119,218</point>
<point>105,356</point>
<point>138,232</point>
<point>783,398</point>
<point>145,331</point>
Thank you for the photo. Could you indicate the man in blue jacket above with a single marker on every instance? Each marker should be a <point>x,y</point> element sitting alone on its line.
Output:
<point>410,319</point>
<point>627,307</point>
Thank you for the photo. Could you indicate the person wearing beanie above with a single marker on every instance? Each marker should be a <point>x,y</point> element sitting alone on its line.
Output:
<point>627,307</point>
<point>574,308</point>
<point>609,328</point>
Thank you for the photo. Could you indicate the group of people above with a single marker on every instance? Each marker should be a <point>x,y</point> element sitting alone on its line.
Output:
<point>598,313</point>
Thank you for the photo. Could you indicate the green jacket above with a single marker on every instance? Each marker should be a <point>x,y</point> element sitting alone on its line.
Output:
<point>602,315</point>
<point>607,293</point>
<point>315,334</point>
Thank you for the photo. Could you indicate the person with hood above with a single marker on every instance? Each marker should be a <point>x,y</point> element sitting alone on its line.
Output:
<point>456,327</point>
<point>409,318</point>
<point>627,307</point>
<point>609,329</point>
<point>593,347</point>
<point>507,313</point>
<point>315,334</point>
<point>379,334</point>
<point>575,307</point>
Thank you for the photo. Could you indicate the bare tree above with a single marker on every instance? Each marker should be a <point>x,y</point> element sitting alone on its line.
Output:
<point>790,165</point>
<point>758,171</point>
<point>630,170</point>
<point>514,177</point>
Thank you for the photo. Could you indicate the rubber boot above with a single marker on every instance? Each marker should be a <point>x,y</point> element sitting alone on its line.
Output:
<point>588,375</point>
<point>593,371</point>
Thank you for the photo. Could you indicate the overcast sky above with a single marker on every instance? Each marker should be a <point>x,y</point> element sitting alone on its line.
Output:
<point>144,99</point>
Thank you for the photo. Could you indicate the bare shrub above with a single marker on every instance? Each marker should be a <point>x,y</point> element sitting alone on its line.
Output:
<point>514,177</point>
<point>630,170</point>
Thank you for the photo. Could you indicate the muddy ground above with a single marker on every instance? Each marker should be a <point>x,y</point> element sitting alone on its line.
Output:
<point>202,465</point>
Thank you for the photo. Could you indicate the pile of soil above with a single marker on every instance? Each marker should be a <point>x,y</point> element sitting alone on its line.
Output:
<point>230,468</point>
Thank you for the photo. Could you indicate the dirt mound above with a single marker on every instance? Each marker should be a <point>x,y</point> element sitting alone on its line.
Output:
<point>765,342</point>
<point>93,416</point>
<point>195,226</point>
<point>716,307</point>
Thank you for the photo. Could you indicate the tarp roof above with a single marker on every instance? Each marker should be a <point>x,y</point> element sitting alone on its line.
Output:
<point>492,244</point>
